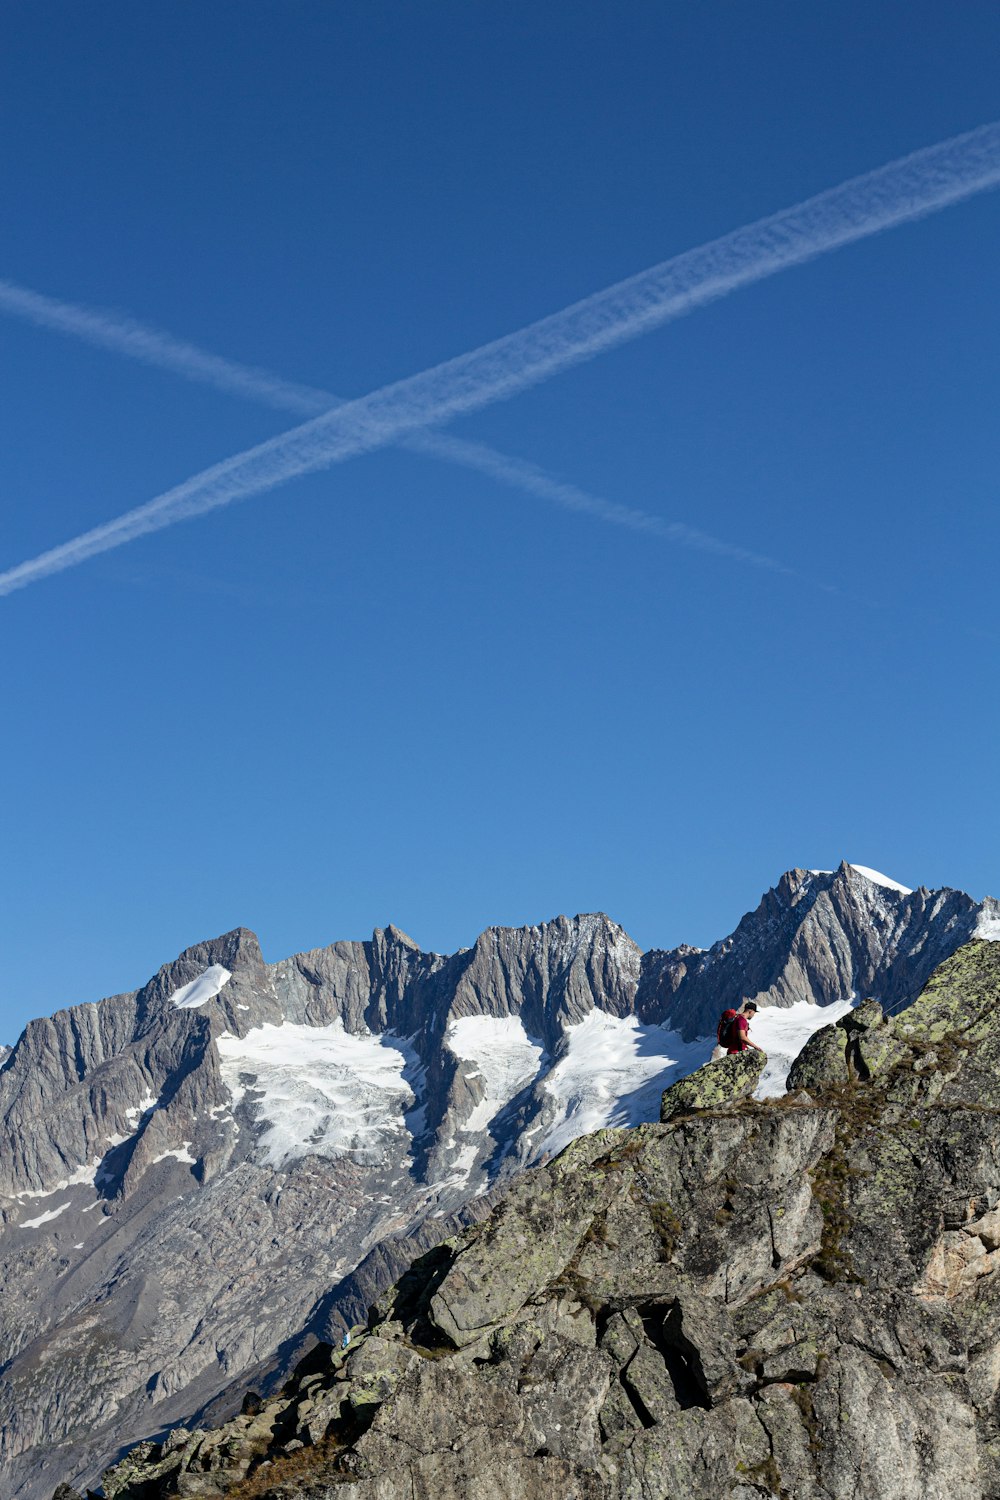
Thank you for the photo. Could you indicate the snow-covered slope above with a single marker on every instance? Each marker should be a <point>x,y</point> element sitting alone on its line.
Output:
<point>201,990</point>
<point>877,878</point>
<point>612,1072</point>
<point>319,1091</point>
<point>783,1034</point>
<point>503,1056</point>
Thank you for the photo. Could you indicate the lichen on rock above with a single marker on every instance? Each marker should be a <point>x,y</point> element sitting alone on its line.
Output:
<point>731,1078</point>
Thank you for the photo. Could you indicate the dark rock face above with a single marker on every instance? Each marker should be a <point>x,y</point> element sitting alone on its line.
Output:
<point>145,1205</point>
<point>548,975</point>
<point>823,937</point>
<point>795,1298</point>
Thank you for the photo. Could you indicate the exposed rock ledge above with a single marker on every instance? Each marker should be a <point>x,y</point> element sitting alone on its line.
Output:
<point>797,1299</point>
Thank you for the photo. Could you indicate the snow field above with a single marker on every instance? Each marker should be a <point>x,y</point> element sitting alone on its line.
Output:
<point>320,1090</point>
<point>505,1056</point>
<point>784,1032</point>
<point>877,878</point>
<point>612,1073</point>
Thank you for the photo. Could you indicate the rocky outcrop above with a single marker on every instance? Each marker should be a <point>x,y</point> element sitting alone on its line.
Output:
<point>723,1082</point>
<point>795,1299</point>
<point>345,1306</point>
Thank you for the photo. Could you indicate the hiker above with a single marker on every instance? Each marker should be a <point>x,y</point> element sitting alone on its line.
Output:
<point>734,1031</point>
<point>345,1342</point>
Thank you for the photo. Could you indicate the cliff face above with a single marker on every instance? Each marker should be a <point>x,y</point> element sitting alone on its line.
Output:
<point>797,1298</point>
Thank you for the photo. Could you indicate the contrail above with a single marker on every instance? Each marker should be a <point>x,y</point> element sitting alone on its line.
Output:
<point>152,346</point>
<point>903,190</point>
<point>123,335</point>
<point>536,481</point>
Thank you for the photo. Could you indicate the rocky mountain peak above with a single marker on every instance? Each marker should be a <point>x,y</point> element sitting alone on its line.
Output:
<point>822,934</point>
<point>550,975</point>
<point>396,935</point>
<point>239,949</point>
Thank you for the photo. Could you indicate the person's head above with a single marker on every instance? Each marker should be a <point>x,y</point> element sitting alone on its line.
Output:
<point>749,1008</point>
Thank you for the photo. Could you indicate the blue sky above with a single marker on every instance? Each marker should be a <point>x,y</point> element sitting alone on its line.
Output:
<point>399,691</point>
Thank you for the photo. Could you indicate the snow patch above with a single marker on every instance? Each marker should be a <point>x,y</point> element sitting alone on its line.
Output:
<point>202,989</point>
<point>145,1106</point>
<point>461,1169</point>
<point>506,1059</point>
<point>53,1213</point>
<point>320,1090</point>
<point>877,878</point>
<point>988,926</point>
<point>783,1031</point>
<point>612,1073</point>
<point>81,1177</point>
<point>184,1155</point>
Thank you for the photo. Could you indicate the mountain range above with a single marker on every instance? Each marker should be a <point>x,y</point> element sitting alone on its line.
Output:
<point>202,1177</point>
<point>777,1299</point>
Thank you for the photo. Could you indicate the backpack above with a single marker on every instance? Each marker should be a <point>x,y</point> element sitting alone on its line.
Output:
<point>728,1032</point>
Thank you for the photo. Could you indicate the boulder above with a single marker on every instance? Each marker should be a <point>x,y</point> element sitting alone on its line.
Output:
<point>821,1063</point>
<point>715,1085</point>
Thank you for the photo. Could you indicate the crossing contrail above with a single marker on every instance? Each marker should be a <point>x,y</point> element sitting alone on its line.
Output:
<point>906,189</point>
<point>152,346</point>
<point>123,335</point>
